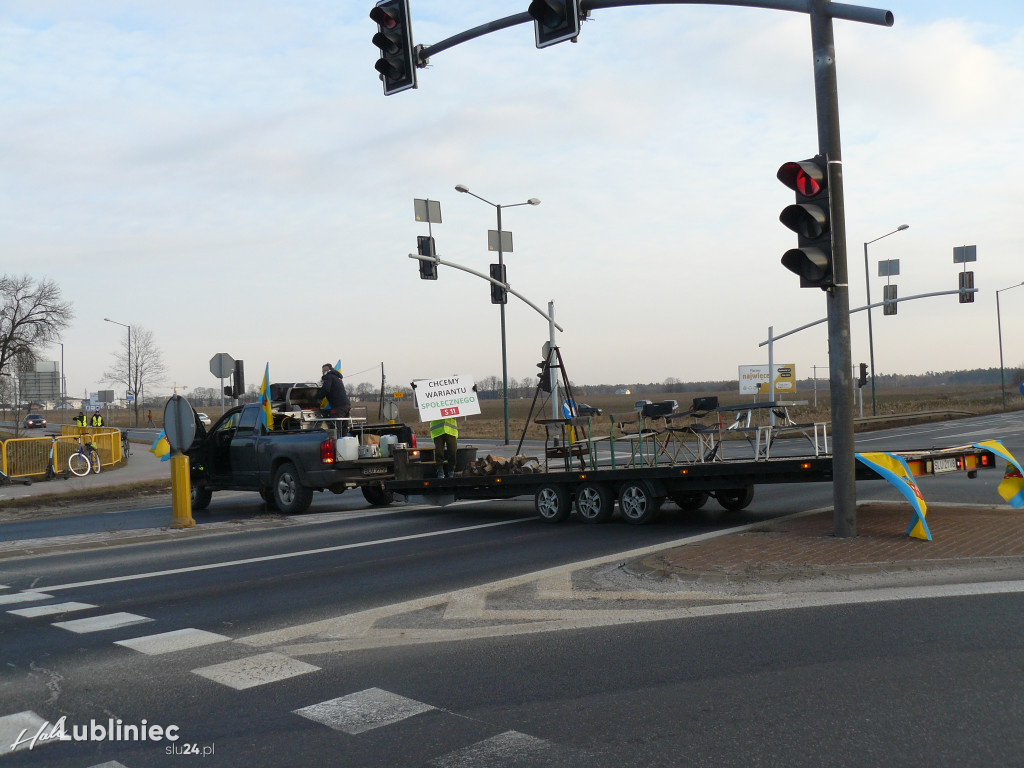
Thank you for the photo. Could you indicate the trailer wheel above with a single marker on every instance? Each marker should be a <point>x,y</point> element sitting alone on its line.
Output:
<point>291,496</point>
<point>637,504</point>
<point>552,503</point>
<point>735,499</point>
<point>377,494</point>
<point>201,498</point>
<point>690,501</point>
<point>594,503</point>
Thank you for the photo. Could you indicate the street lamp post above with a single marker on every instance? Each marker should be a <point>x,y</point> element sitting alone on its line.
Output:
<point>129,383</point>
<point>501,261</point>
<point>999,324</point>
<point>871,334</point>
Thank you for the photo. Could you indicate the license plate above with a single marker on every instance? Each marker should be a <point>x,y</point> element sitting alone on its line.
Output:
<point>944,465</point>
<point>375,470</point>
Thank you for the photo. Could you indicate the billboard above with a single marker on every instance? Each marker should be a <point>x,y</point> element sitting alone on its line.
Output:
<point>754,378</point>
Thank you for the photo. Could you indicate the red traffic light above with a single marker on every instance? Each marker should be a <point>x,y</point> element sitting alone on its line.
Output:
<point>806,177</point>
<point>382,17</point>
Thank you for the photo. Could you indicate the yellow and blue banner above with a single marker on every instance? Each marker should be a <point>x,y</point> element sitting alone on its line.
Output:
<point>1012,486</point>
<point>161,448</point>
<point>894,469</point>
<point>266,413</point>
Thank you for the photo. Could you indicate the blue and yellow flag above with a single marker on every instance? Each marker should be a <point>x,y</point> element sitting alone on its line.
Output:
<point>894,469</point>
<point>161,448</point>
<point>1012,486</point>
<point>267,415</point>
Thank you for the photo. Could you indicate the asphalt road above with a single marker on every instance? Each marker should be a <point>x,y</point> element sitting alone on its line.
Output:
<point>931,681</point>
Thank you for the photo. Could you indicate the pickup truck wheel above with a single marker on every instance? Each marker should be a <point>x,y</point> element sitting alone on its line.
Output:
<point>378,495</point>
<point>735,499</point>
<point>201,498</point>
<point>291,495</point>
<point>594,503</point>
<point>552,503</point>
<point>690,501</point>
<point>637,504</point>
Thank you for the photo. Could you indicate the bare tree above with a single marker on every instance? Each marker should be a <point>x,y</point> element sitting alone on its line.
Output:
<point>32,316</point>
<point>146,366</point>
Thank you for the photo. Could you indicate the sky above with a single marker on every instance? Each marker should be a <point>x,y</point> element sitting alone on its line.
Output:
<point>230,176</point>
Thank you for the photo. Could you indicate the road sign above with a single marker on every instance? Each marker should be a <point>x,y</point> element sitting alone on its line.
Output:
<point>427,210</point>
<point>568,409</point>
<point>889,268</point>
<point>129,396</point>
<point>1022,387</point>
<point>505,242</point>
<point>964,253</point>
<point>222,365</point>
<point>179,423</point>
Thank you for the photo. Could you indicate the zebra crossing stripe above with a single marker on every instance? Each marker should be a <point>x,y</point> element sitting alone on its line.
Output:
<point>100,623</point>
<point>255,670</point>
<point>510,750</point>
<point>168,642</point>
<point>363,711</point>
<point>49,610</point>
<point>23,597</point>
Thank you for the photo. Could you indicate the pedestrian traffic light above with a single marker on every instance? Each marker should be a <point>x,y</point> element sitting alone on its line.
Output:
<point>810,218</point>
<point>397,64</point>
<point>863,380</point>
<point>425,247</point>
<point>889,297</point>
<point>966,284</point>
<point>555,21</point>
<point>499,294</point>
<point>544,375</point>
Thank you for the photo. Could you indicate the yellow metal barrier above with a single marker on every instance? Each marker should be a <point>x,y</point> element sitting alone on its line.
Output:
<point>106,439</point>
<point>27,456</point>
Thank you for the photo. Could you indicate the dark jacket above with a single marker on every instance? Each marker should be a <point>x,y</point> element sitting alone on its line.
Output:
<point>332,386</point>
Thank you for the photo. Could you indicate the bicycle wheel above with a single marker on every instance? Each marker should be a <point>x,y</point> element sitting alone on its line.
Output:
<point>78,463</point>
<point>94,459</point>
<point>126,448</point>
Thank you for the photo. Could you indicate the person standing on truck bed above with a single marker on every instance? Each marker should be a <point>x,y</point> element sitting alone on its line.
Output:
<point>445,433</point>
<point>332,386</point>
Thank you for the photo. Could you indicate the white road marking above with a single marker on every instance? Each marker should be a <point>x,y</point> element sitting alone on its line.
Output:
<point>11,727</point>
<point>49,610</point>
<point>363,711</point>
<point>101,623</point>
<point>269,558</point>
<point>23,597</point>
<point>510,748</point>
<point>168,642</point>
<point>255,670</point>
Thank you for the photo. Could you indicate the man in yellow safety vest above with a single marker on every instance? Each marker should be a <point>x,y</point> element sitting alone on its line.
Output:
<point>445,433</point>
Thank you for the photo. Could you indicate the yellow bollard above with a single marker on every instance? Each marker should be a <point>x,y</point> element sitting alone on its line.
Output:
<point>181,492</point>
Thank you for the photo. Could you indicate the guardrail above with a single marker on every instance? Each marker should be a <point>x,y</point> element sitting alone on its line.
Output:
<point>29,456</point>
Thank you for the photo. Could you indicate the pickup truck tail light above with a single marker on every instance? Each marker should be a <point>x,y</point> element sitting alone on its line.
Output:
<point>327,451</point>
<point>413,445</point>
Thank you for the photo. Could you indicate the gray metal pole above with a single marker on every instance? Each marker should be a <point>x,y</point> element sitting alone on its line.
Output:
<point>504,351</point>
<point>871,333</point>
<point>1002,381</point>
<point>552,358</point>
<point>826,92</point>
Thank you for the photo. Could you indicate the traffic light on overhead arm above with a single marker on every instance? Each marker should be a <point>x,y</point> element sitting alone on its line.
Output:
<point>810,218</point>
<point>425,247</point>
<point>555,21</point>
<point>397,62</point>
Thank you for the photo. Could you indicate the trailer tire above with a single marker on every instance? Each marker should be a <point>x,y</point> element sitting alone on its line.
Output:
<point>552,503</point>
<point>690,501</point>
<point>594,503</point>
<point>377,494</point>
<point>290,495</point>
<point>201,498</point>
<point>735,499</point>
<point>637,504</point>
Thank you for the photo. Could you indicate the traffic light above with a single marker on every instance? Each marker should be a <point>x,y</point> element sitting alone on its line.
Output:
<point>499,295</point>
<point>425,247</point>
<point>555,21</point>
<point>889,297</point>
<point>966,284</point>
<point>238,379</point>
<point>397,64</point>
<point>544,375</point>
<point>863,380</point>
<point>810,218</point>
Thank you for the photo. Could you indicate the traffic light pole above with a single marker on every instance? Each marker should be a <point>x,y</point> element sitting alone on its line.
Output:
<point>840,355</point>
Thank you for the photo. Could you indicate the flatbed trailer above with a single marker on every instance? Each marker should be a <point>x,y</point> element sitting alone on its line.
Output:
<point>641,490</point>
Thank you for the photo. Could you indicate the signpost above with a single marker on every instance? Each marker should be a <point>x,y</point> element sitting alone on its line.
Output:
<point>222,365</point>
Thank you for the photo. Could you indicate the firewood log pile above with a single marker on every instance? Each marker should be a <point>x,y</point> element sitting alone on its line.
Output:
<point>499,465</point>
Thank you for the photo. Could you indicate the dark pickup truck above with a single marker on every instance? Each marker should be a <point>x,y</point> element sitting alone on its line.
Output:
<point>300,455</point>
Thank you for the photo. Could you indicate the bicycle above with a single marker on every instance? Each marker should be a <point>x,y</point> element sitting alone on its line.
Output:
<point>126,444</point>
<point>82,460</point>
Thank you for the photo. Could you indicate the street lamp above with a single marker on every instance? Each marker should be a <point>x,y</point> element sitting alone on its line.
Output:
<point>129,383</point>
<point>501,261</point>
<point>999,324</point>
<point>871,334</point>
